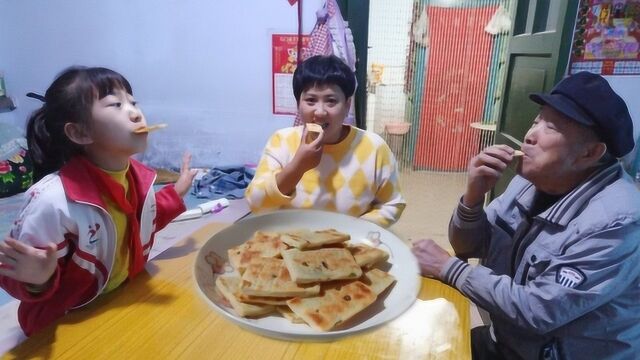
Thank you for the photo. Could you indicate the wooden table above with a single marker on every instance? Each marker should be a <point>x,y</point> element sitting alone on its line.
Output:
<point>159,315</point>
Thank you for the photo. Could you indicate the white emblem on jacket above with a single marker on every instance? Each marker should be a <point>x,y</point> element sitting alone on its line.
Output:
<point>569,277</point>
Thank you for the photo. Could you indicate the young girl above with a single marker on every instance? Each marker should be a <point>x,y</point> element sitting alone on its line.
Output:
<point>344,169</point>
<point>89,222</point>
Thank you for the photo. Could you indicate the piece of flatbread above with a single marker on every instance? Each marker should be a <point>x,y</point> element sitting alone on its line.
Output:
<point>270,277</point>
<point>262,244</point>
<point>313,131</point>
<point>228,285</point>
<point>367,256</point>
<point>516,162</point>
<point>264,300</point>
<point>288,314</point>
<point>146,129</point>
<point>334,306</point>
<point>306,239</point>
<point>378,280</point>
<point>321,265</point>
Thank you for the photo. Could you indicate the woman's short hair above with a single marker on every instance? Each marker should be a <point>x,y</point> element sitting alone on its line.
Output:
<point>321,70</point>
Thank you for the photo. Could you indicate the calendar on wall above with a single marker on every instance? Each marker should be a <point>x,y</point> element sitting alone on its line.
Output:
<point>607,38</point>
<point>284,62</point>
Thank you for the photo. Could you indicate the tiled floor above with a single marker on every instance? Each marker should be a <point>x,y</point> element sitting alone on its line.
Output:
<point>431,198</point>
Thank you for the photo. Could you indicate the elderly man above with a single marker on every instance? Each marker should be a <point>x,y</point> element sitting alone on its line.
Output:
<point>560,273</point>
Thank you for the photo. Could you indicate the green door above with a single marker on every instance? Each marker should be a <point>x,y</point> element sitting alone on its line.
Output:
<point>537,59</point>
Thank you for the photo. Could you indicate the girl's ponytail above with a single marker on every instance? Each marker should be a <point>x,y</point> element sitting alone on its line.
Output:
<point>44,153</point>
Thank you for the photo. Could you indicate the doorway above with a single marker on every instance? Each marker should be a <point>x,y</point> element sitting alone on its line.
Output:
<point>435,70</point>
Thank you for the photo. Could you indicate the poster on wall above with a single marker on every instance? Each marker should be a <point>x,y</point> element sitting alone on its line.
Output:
<point>607,38</point>
<point>284,60</point>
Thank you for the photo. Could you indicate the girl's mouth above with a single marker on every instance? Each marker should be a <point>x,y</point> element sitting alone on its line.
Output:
<point>146,129</point>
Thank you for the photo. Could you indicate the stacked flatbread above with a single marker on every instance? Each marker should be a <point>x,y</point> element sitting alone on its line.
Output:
<point>312,277</point>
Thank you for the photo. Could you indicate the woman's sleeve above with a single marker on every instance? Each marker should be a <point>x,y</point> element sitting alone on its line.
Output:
<point>388,204</point>
<point>263,192</point>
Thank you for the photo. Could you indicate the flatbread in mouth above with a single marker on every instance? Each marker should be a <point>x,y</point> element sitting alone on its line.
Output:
<point>313,131</point>
<point>146,129</point>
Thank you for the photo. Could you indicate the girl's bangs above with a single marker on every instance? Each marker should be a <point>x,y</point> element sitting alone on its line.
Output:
<point>106,82</point>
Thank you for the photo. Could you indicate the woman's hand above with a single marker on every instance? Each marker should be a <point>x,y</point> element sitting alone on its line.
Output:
<point>306,158</point>
<point>183,184</point>
<point>26,263</point>
<point>431,257</point>
<point>308,155</point>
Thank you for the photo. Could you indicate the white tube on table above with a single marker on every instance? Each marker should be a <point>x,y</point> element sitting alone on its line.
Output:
<point>212,206</point>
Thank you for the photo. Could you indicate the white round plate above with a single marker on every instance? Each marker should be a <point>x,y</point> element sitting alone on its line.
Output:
<point>212,260</point>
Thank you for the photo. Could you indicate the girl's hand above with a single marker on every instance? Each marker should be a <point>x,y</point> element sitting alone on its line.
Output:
<point>308,155</point>
<point>26,263</point>
<point>183,184</point>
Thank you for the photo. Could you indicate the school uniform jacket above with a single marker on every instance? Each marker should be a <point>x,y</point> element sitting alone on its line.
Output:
<point>568,285</point>
<point>66,208</point>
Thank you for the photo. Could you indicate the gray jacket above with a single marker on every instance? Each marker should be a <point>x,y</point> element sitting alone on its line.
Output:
<point>572,288</point>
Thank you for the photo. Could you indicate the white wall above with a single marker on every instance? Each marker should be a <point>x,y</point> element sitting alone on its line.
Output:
<point>628,87</point>
<point>201,66</point>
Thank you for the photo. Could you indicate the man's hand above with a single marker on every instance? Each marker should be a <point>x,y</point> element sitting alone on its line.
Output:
<point>26,263</point>
<point>183,184</point>
<point>431,257</point>
<point>485,169</point>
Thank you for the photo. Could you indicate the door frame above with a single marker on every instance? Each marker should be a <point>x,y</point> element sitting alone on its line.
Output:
<point>356,12</point>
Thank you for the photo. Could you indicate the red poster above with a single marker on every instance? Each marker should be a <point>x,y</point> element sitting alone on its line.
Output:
<point>284,62</point>
<point>607,37</point>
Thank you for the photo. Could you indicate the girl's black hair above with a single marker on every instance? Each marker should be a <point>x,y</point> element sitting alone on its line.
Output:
<point>323,70</point>
<point>69,99</point>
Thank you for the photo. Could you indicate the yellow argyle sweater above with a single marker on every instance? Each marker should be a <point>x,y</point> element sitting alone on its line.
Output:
<point>358,176</point>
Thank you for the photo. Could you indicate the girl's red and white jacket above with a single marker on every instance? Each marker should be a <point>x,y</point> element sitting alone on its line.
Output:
<point>66,208</point>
